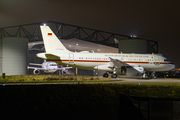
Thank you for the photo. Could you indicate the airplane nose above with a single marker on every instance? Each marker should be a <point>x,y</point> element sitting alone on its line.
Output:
<point>172,66</point>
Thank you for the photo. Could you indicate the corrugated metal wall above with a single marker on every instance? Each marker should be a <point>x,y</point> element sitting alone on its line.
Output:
<point>13,55</point>
<point>133,46</point>
<point>1,57</point>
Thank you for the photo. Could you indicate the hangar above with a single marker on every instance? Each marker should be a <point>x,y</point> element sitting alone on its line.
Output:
<point>75,38</point>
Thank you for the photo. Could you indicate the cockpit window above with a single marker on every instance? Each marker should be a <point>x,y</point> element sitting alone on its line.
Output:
<point>166,60</point>
<point>52,64</point>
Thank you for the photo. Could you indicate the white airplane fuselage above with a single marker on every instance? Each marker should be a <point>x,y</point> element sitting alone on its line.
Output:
<point>110,62</point>
<point>150,62</point>
<point>49,67</point>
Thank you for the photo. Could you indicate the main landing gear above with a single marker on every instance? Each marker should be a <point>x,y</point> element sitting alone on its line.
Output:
<point>114,76</point>
<point>149,75</point>
<point>107,75</point>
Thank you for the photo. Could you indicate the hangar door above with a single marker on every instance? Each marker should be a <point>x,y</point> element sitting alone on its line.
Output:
<point>14,54</point>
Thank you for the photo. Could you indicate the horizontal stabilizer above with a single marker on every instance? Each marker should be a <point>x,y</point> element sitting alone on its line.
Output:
<point>35,64</point>
<point>37,68</point>
<point>52,57</point>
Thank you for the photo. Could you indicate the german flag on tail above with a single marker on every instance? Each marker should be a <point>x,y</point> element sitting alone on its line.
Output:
<point>49,34</point>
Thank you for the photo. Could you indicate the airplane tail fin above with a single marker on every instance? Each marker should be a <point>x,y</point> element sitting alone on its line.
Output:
<point>51,42</point>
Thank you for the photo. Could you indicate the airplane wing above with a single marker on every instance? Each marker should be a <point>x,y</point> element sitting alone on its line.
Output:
<point>36,68</point>
<point>116,63</point>
<point>63,68</point>
<point>35,64</point>
<point>52,57</point>
<point>68,67</point>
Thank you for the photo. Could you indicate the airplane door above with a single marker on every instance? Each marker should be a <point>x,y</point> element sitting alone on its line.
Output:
<point>71,58</point>
<point>122,57</point>
<point>156,59</point>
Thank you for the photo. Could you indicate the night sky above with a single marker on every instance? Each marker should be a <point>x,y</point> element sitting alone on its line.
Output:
<point>157,20</point>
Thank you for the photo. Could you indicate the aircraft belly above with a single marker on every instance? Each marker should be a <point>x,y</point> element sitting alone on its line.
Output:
<point>149,67</point>
<point>49,71</point>
<point>86,65</point>
<point>160,67</point>
<point>83,65</point>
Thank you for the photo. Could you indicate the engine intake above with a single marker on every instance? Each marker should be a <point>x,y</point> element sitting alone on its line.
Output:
<point>36,71</point>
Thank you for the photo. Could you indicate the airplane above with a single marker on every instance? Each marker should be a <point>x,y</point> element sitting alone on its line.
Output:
<point>111,63</point>
<point>47,67</point>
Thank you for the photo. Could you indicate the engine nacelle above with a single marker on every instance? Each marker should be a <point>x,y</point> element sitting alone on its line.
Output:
<point>36,71</point>
<point>103,67</point>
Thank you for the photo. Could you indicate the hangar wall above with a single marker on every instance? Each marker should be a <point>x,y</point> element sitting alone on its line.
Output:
<point>13,55</point>
<point>135,46</point>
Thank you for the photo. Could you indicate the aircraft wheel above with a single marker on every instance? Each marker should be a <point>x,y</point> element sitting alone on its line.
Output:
<point>114,76</point>
<point>105,75</point>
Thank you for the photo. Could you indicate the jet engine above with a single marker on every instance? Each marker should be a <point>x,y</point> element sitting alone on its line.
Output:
<point>103,67</point>
<point>36,71</point>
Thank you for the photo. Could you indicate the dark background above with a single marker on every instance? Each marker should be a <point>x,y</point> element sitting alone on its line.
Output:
<point>151,19</point>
